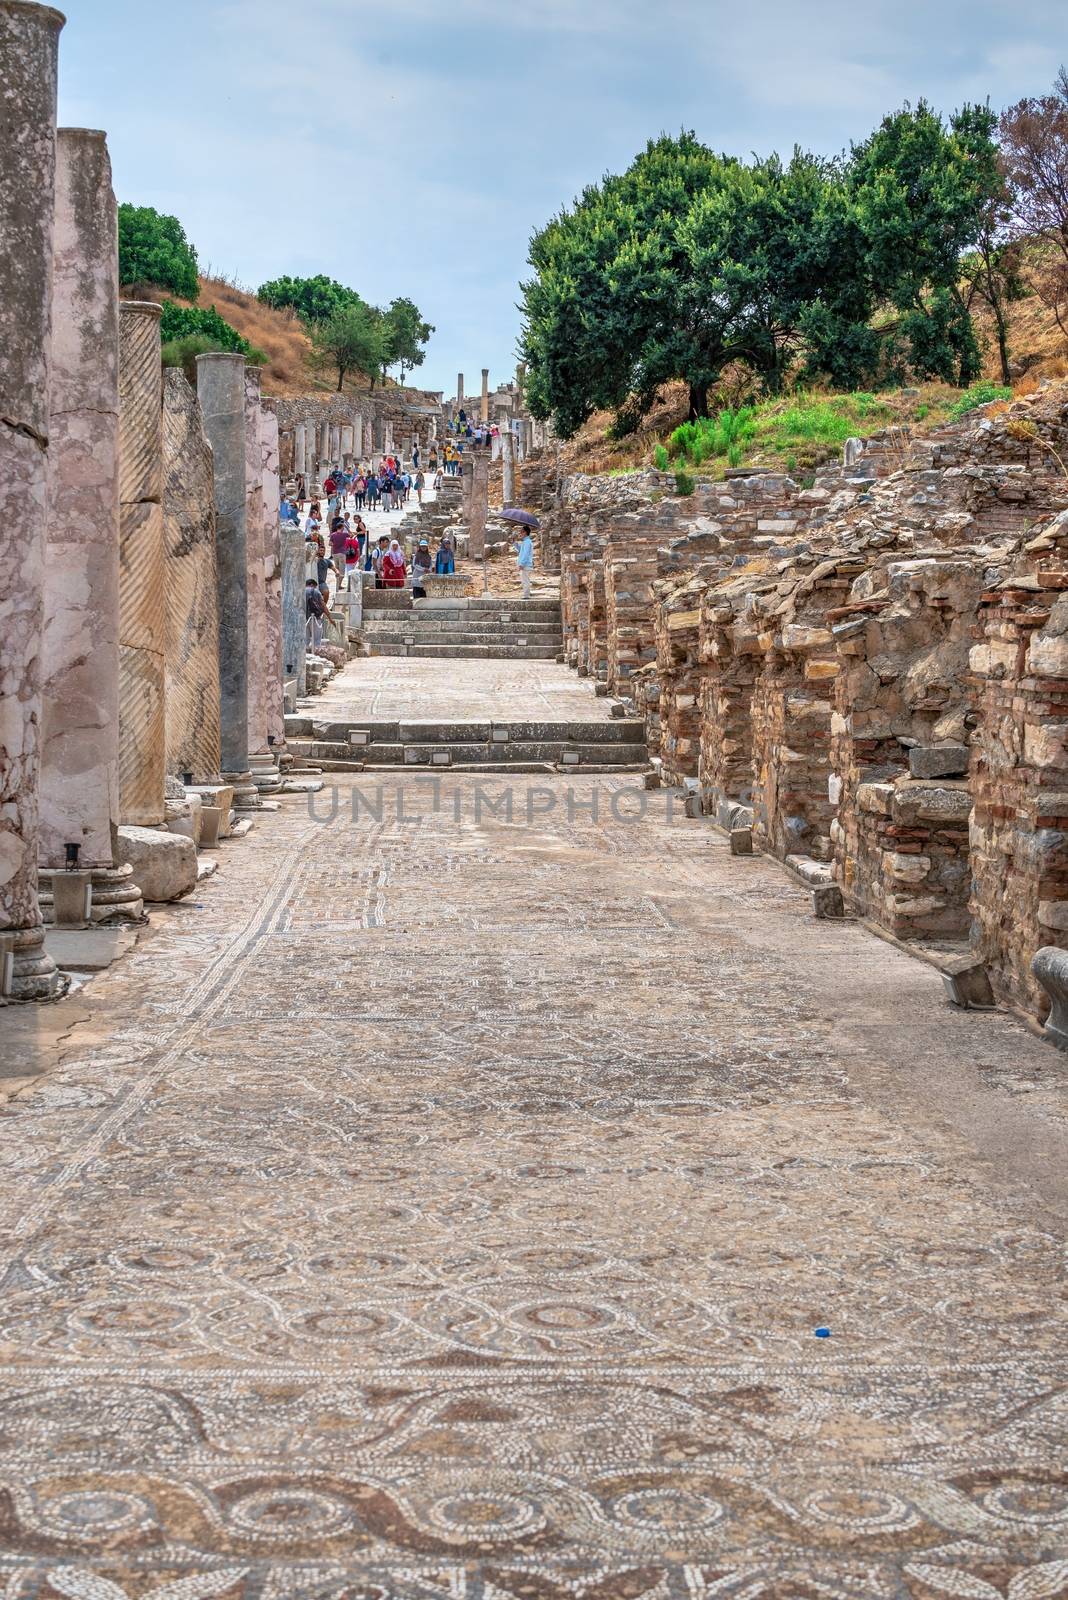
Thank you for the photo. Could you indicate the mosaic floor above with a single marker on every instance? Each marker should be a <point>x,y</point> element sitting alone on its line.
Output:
<point>444,1210</point>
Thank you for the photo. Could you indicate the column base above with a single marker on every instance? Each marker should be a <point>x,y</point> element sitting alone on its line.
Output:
<point>34,975</point>
<point>265,775</point>
<point>246,794</point>
<point>116,898</point>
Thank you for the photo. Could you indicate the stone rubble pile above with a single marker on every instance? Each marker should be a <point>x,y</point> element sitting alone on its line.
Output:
<point>869,673</point>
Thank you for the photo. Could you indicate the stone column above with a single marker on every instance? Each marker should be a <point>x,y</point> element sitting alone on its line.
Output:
<point>29,37</point>
<point>142,599</point>
<point>324,443</point>
<point>294,625</point>
<point>478,507</point>
<point>272,573</point>
<point>261,762</point>
<point>221,390</point>
<point>298,449</point>
<point>508,457</point>
<point>484,411</point>
<point>459,391</point>
<point>192,653</point>
<point>347,444</point>
<point>335,445</point>
<point>80,675</point>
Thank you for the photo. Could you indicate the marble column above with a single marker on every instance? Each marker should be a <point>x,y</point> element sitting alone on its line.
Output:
<point>80,676</point>
<point>221,391</point>
<point>192,648</point>
<point>261,762</point>
<point>298,449</point>
<point>142,599</point>
<point>347,444</point>
<point>478,507</point>
<point>335,445</point>
<point>294,623</point>
<point>484,411</point>
<point>272,572</point>
<point>508,458</point>
<point>459,392</point>
<point>29,39</point>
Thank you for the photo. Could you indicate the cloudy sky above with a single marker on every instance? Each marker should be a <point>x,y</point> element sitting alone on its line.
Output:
<point>411,149</point>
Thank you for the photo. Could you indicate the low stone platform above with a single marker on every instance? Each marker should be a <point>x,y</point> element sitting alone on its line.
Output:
<point>488,626</point>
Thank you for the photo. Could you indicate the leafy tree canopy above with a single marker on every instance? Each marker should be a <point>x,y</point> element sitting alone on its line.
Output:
<point>181,322</point>
<point>406,335</point>
<point>353,338</point>
<point>154,249</point>
<point>313,299</point>
<point>690,260</point>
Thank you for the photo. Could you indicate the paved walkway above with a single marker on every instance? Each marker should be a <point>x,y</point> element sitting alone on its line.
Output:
<point>457,690</point>
<point>445,1210</point>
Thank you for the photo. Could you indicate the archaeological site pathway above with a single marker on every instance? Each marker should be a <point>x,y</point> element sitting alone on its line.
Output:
<point>448,1208</point>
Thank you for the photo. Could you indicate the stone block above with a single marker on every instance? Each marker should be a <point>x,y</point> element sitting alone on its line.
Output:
<point>906,868</point>
<point>1050,967</point>
<point>164,864</point>
<point>827,902</point>
<point>967,984</point>
<point>1054,914</point>
<point>923,801</point>
<point>877,798</point>
<point>939,760</point>
<point>184,816</point>
<point>741,841</point>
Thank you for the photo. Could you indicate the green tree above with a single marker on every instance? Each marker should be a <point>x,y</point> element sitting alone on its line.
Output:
<point>1034,149</point>
<point>407,334</point>
<point>313,299</point>
<point>920,189</point>
<point>353,339</point>
<point>153,249</point>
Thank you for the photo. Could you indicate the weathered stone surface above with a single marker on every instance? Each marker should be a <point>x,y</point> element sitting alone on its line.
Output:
<point>164,864</point>
<point>80,685</point>
<point>294,622</point>
<point>28,47</point>
<point>939,760</point>
<point>272,576</point>
<point>192,587</point>
<point>142,577</point>
<point>1050,967</point>
<point>221,392</point>
<point>256,580</point>
<point>923,801</point>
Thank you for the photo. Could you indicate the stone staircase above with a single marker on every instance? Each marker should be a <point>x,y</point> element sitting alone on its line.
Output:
<point>489,627</point>
<point>498,747</point>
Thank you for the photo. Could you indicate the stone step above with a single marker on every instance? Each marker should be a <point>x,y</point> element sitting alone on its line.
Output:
<point>620,730</point>
<point>477,754</point>
<point>424,627</point>
<point>468,652</point>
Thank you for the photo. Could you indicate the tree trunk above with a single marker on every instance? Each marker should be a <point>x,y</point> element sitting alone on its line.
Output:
<point>1003,344</point>
<point>340,378</point>
<point>698,400</point>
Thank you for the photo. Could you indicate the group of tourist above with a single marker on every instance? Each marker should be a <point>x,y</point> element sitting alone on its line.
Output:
<point>479,433</point>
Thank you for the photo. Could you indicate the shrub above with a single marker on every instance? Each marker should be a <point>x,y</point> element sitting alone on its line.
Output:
<point>154,249</point>
<point>921,412</point>
<point>684,482</point>
<point>661,458</point>
<point>183,353</point>
<point>979,394</point>
<point>182,322</point>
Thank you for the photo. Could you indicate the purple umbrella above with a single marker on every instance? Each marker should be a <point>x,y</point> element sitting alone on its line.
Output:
<point>526,519</point>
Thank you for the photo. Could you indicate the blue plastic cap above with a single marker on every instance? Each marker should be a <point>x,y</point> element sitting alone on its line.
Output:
<point>823,1333</point>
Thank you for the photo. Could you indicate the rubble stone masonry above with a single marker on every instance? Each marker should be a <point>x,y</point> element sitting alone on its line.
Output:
<point>874,663</point>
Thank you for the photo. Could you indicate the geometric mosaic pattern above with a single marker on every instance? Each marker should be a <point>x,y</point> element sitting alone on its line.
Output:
<point>445,1209</point>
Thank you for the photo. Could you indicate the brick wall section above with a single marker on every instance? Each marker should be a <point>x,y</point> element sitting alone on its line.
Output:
<point>1019,834</point>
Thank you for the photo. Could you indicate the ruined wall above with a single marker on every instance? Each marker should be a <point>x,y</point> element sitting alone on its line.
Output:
<point>877,664</point>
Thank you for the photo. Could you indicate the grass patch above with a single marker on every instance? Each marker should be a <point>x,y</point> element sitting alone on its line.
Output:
<point>980,394</point>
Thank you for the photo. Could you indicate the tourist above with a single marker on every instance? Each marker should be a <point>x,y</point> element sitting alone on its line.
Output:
<point>338,539</point>
<point>378,556</point>
<point>372,492</point>
<point>420,485</point>
<point>420,568</point>
<point>386,489</point>
<point>439,479</point>
<point>415,457</point>
<point>314,611</point>
<point>525,560</point>
<point>359,490</point>
<point>353,558</point>
<point>394,567</point>
<point>445,560</point>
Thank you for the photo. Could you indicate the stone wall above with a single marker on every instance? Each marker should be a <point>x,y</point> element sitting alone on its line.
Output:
<point>861,662</point>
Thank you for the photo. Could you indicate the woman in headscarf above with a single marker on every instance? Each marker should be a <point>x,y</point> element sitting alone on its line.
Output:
<point>394,568</point>
<point>420,568</point>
